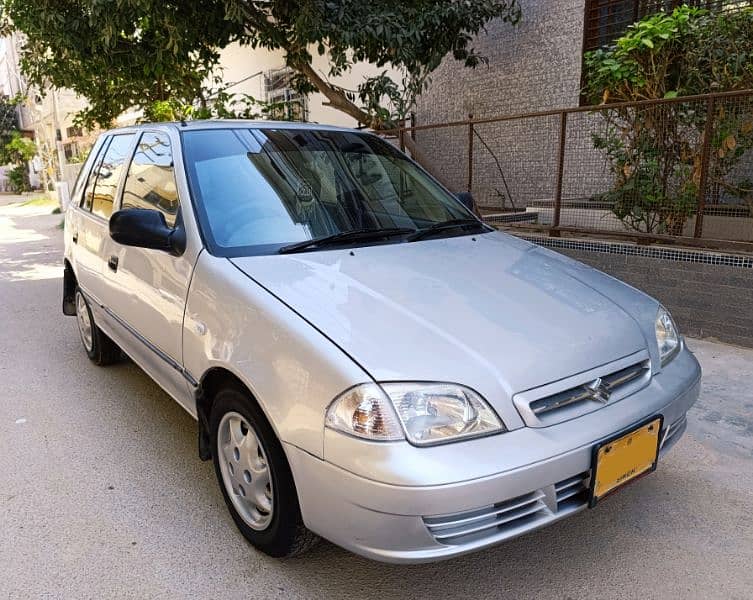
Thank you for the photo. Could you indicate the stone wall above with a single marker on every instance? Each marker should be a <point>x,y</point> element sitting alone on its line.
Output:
<point>532,67</point>
<point>709,294</point>
<point>535,66</point>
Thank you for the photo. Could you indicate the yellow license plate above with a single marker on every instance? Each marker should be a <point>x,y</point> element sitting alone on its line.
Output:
<point>624,458</point>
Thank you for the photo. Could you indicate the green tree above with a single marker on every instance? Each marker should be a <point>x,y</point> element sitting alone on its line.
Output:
<point>18,151</point>
<point>15,149</point>
<point>655,151</point>
<point>123,53</point>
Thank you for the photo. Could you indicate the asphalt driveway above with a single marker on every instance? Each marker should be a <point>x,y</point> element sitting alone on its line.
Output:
<point>102,494</point>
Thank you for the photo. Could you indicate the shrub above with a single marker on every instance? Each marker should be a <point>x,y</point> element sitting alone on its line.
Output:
<point>18,179</point>
<point>655,152</point>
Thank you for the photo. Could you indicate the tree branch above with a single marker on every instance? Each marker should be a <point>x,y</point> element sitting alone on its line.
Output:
<point>336,97</point>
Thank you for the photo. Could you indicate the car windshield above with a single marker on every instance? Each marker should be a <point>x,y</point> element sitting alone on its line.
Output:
<point>259,190</point>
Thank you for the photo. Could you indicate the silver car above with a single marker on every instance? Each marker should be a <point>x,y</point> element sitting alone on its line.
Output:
<point>366,360</point>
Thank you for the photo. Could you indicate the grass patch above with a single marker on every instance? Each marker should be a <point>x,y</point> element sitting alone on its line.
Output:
<point>42,200</point>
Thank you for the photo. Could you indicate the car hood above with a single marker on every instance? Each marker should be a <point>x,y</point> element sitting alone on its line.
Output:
<point>490,311</point>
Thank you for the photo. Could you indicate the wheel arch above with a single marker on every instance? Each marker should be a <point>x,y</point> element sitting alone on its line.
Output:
<point>211,382</point>
<point>69,289</point>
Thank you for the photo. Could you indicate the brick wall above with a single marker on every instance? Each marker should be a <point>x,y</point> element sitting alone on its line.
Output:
<point>709,294</point>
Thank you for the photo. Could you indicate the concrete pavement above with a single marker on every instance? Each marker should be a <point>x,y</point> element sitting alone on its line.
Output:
<point>102,494</point>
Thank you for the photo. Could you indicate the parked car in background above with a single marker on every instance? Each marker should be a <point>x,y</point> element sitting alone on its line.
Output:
<point>367,361</point>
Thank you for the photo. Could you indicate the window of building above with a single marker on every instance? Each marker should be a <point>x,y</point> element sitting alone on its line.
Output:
<point>71,150</point>
<point>607,20</point>
<point>109,174</point>
<point>288,105</point>
<point>151,179</point>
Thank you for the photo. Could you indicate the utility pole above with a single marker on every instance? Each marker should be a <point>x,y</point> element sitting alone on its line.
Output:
<point>58,135</point>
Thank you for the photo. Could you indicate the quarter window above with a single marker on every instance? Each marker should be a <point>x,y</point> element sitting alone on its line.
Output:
<point>109,173</point>
<point>86,200</point>
<point>151,179</point>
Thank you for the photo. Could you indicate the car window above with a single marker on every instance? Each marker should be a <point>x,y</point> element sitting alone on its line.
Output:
<point>150,182</point>
<point>83,174</point>
<point>109,173</point>
<point>86,200</point>
<point>261,188</point>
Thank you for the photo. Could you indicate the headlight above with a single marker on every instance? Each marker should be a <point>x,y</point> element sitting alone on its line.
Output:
<point>424,413</point>
<point>667,337</point>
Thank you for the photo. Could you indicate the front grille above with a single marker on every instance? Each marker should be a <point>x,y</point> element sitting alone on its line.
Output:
<point>572,492</point>
<point>511,517</point>
<point>599,391</point>
<point>462,527</point>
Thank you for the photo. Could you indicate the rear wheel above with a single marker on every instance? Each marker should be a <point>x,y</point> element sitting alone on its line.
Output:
<point>99,348</point>
<point>255,477</point>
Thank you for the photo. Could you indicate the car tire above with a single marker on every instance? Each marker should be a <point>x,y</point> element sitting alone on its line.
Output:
<point>242,443</point>
<point>100,349</point>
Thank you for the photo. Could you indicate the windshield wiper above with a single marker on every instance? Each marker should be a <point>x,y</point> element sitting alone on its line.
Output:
<point>445,226</point>
<point>347,236</point>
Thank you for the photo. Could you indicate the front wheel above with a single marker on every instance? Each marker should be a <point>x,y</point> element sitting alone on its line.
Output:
<point>255,477</point>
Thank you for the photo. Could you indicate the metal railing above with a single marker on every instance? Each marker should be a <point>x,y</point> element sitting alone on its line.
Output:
<point>676,170</point>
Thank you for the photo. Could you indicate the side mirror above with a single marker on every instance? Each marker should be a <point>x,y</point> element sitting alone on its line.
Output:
<point>466,198</point>
<point>146,228</point>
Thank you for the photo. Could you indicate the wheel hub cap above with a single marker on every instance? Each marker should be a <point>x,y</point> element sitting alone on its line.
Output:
<point>245,471</point>
<point>84,322</point>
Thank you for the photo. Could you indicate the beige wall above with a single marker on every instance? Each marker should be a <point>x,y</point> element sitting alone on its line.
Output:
<point>238,62</point>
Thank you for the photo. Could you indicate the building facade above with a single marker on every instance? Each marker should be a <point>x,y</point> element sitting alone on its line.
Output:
<point>46,116</point>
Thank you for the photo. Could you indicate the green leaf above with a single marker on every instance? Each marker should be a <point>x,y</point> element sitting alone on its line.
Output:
<point>120,53</point>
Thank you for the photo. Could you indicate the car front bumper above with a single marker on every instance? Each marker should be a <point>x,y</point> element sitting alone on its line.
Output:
<point>413,518</point>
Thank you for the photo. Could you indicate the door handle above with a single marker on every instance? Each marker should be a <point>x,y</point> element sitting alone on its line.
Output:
<point>75,238</point>
<point>112,262</point>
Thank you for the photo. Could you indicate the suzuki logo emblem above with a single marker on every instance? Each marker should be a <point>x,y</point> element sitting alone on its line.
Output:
<point>598,391</point>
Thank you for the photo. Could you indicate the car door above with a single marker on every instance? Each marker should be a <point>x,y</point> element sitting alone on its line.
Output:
<point>146,289</point>
<point>91,223</point>
<point>74,213</point>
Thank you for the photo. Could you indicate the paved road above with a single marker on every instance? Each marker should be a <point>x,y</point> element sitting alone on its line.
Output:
<point>102,495</point>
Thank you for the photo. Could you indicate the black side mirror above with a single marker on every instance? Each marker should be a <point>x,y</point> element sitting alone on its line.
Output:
<point>466,198</point>
<point>146,228</point>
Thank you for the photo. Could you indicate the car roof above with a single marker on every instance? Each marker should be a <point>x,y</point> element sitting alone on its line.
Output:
<point>233,124</point>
